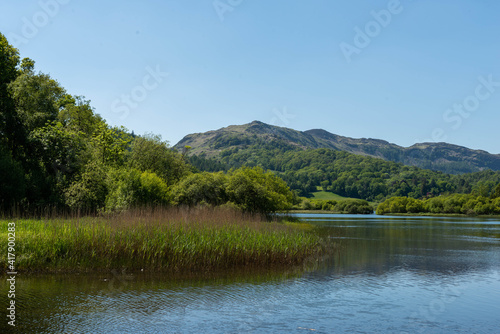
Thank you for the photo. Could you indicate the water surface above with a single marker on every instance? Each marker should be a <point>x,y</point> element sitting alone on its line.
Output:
<point>388,275</point>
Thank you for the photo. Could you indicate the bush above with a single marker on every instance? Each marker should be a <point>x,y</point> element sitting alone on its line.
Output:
<point>131,188</point>
<point>150,153</point>
<point>204,187</point>
<point>414,206</point>
<point>89,192</point>
<point>354,206</point>
<point>254,190</point>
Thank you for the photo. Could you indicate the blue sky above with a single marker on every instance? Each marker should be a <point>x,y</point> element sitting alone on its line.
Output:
<point>404,71</point>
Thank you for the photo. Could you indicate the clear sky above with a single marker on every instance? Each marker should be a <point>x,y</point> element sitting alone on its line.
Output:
<point>404,71</point>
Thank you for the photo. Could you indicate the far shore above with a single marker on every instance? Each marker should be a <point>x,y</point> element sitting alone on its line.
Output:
<point>420,214</point>
<point>429,214</point>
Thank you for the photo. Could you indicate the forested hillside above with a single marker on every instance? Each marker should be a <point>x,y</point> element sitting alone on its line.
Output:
<point>347,174</point>
<point>443,157</point>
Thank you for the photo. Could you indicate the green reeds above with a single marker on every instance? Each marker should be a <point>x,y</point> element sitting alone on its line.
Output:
<point>201,239</point>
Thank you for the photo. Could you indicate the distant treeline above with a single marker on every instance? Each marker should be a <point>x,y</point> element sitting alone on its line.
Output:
<point>350,206</point>
<point>469,204</point>
<point>347,174</point>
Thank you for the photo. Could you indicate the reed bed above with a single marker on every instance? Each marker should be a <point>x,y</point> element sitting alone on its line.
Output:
<point>177,239</point>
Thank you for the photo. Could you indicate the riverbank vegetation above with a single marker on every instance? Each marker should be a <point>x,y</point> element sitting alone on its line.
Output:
<point>166,240</point>
<point>347,206</point>
<point>467,204</point>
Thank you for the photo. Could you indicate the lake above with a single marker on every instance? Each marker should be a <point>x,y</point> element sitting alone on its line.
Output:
<point>387,275</point>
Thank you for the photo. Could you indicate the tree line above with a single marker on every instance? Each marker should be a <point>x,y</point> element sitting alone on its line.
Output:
<point>57,152</point>
<point>346,174</point>
<point>469,204</point>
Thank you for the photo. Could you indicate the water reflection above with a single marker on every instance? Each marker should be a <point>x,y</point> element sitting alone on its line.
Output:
<point>389,274</point>
<point>378,244</point>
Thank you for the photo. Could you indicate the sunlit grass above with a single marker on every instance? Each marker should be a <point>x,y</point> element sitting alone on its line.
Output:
<point>158,240</point>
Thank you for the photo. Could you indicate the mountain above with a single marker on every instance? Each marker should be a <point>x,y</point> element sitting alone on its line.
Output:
<point>443,157</point>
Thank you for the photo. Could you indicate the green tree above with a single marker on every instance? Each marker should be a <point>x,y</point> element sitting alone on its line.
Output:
<point>414,205</point>
<point>10,129</point>
<point>496,192</point>
<point>88,192</point>
<point>133,188</point>
<point>76,114</point>
<point>36,98</point>
<point>257,191</point>
<point>109,144</point>
<point>12,184</point>
<point>201,188</point>
<point>150,153</point>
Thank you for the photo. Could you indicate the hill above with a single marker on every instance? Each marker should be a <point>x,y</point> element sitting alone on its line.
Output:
<point>443,157</point>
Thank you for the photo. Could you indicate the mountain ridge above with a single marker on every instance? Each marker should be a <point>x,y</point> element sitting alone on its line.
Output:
<point>445,157</point>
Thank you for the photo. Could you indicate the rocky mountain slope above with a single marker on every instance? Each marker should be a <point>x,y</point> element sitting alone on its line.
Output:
<point>443,157</point>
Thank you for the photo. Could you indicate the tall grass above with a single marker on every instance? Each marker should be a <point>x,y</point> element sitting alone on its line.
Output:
<point>158,240</point>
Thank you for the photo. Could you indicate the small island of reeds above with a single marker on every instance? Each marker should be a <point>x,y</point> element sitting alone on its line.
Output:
<point>162,240</point>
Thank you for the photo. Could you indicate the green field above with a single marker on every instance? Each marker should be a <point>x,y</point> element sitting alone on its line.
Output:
<point>325,195</point>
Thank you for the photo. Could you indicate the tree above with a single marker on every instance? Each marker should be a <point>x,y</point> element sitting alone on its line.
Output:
<point>88,192</point>
<point>76,114</point>
<point>9,126</point>
<point>36,98</point>
<point>133,188</point>
<point>257,191</point>
<point>201,188</point>
<point>496,192</point>
<point>57,149</point>
<point>12,184</point>
<point>109,144</point>
<point>150,153</point>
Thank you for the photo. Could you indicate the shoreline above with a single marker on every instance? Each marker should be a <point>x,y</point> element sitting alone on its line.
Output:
<point>196,242</point>
<point>451,215</point>
<point>420,214</point>
<point>327,212</point>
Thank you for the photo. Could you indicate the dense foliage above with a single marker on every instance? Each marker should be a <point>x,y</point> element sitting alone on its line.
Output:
<point>56,152</point>
<point>470,204</point>
<point>350,206</point>
<point>347,174</point>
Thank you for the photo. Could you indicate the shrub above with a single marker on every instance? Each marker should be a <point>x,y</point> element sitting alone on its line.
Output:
<point>254,190</point>
<point>203,187</point>
<point>131,188</point>
<point>88,193</point>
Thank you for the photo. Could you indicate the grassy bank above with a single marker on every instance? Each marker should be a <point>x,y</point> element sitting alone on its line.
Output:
<point>160,240</point>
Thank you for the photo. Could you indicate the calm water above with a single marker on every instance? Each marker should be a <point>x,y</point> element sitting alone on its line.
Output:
<point>390,275</point>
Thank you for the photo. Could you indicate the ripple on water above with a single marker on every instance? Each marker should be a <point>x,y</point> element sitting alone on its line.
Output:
<point>391,275</point>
